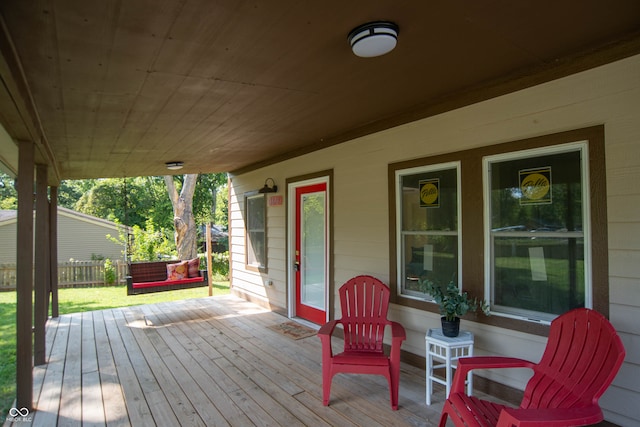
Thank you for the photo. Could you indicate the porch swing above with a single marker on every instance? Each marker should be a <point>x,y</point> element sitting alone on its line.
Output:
<point>158,276</point>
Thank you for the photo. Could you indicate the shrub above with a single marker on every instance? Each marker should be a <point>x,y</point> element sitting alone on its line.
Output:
<point>220,265</point>
<point>109,272</point>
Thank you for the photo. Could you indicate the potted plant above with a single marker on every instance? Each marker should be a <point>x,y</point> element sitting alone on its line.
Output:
<point>453,304</point>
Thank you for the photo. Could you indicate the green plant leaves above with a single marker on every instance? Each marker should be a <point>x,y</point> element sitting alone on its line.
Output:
<point>452,303</point>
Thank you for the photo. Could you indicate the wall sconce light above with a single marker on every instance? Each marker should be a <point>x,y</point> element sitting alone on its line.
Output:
<point>174,166</point>
<point>373,38</point>
<point>267,189</point>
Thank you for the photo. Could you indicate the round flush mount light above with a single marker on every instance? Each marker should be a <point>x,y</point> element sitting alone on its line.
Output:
<point>174,166</point>
<point>373,39</point>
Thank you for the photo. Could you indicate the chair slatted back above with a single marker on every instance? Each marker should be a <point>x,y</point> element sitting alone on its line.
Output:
<point>582,357</point>
<point>364,301</point>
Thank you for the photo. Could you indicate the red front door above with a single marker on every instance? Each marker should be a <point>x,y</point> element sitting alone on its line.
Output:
<point>311,252</point>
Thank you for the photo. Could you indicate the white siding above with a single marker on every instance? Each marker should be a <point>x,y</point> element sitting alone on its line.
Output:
<point>608,95</point>
<point>79,237</point>
<point>8,241</point>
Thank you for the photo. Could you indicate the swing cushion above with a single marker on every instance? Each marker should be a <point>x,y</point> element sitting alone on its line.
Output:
<point>177,271</point>
<point>194,267</point>
<point>167,282</point>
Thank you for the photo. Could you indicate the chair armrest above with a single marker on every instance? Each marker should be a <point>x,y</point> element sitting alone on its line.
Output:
<point>398,335</point>
<point>466,364</point>
<point>398,332</point>
<point>325,338</point>
<point>327,328</point>
<point>550,417</point>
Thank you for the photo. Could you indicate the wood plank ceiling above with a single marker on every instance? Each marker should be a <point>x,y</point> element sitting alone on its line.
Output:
<point>119,87</point>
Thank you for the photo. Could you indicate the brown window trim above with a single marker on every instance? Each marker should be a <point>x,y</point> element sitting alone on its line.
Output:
<point>473,224</point>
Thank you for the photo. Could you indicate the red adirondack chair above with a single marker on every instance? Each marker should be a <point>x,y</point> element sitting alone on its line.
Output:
<point>582,357</point>
<point>364,301</point>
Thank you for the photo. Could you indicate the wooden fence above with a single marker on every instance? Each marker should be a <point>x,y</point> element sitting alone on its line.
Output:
<point>72,274</point>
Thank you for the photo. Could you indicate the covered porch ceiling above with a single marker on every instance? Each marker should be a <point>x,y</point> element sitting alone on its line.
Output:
<point>117,88</point>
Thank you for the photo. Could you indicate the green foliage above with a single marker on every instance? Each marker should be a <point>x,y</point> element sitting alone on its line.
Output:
<point>151,244</point>
<point>134,201</point>
<point>221,216</point>
<point>146,244</point>
<point>9,203</point>
<point>220,267</point>
<point>140,200</point>
<point>205,197</point>
<point>110,274</point>
<point>129,201</point>
<point>8,194</point>
<point>70,191</point>
<point>160,211</point>
<point>452,303</point>
<point>7,351</point>
<point>220,263</point>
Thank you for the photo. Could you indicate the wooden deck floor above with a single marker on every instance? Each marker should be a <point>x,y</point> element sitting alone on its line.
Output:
<point>205,362</point>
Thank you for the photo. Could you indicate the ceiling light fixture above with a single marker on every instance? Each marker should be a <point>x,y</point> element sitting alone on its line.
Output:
<point>174,166</point>
<point>373,39</point>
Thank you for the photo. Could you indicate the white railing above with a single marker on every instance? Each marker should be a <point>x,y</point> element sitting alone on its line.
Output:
<point>71,274</point>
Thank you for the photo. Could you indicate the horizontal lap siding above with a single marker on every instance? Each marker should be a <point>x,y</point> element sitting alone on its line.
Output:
<point>608,95</point>
<point>8,237</point>
<point>77,239</point>
<point>82,239</point>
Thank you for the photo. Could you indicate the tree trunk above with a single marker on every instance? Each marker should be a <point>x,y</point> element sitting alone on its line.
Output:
<point>183,221</point>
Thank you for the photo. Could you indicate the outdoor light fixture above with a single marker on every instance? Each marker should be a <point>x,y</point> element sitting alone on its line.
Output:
<point>174,166</point>
<point>373,39</point>
<point>267,189</point>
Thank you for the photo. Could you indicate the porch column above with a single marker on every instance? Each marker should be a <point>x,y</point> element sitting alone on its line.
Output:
<point>53,249</point>
<point>24,278</point>
<point>42,266</point>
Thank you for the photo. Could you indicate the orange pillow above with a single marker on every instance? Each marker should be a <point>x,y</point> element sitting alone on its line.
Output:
<point>177,271</point>
<point>194,267</point>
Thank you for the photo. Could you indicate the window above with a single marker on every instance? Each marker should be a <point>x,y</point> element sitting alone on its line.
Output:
<point>256,236</point>
<point>535,231</point>
<point>522,224</point>
<point>428,230</point>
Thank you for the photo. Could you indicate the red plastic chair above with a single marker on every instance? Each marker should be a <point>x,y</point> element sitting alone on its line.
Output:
<point>364,301</point>
<point>582,357</point>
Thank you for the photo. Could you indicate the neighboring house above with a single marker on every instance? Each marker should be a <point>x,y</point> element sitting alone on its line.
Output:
<point>414,200</point>
<point>219,239</point>
<point>80,237</point>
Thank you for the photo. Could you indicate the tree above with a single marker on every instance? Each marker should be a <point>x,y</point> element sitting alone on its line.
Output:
<point>205,198</point>
<point>221,216</point>
<point>8,193</point>
<point>70,191</point>
<point>184,222</point>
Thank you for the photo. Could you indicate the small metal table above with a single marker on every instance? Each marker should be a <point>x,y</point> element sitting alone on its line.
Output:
<point>447,350</point>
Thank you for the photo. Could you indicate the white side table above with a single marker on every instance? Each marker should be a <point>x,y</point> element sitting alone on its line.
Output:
<point>447,350</point>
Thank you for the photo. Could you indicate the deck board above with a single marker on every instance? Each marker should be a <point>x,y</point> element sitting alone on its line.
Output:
<point>205,362</point>
<point>113,398</point>
<point>70,412</point>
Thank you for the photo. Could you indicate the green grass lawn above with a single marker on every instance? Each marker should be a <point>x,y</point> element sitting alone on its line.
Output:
<point>75,300</point>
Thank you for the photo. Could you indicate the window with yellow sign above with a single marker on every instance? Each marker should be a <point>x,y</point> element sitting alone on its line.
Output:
<point>429,228</point>
<point>537,231</point>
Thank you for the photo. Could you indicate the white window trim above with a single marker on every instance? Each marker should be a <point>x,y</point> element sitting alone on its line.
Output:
<point>398,205</point>
<point>583,148</point>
